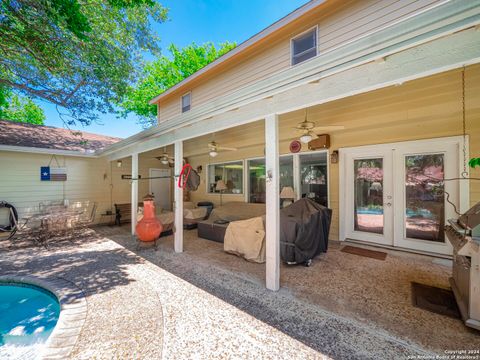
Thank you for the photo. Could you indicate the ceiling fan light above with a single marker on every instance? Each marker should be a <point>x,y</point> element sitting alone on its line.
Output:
<point>164,161</point>
<point>306,138</point>
<point>213,153</point>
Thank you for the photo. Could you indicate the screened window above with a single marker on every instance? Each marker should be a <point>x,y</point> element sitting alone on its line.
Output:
<point>231,175</point>
<point>186,99</point>
<point>304,47</point>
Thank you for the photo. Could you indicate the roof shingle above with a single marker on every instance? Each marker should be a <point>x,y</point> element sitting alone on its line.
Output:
<point>48,137</point>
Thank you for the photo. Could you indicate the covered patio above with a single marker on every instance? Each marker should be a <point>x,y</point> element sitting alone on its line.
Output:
<point>427,107</point>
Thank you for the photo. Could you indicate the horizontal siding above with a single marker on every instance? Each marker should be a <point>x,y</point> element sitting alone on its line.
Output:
<point>339,22</point>
<point>347,25</point>
<point>88,181</point>
<point>421,109</point>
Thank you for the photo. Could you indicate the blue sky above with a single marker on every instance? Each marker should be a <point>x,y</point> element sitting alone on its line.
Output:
<point>196,21</point>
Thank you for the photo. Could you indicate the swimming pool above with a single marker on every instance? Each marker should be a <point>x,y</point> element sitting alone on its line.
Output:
<point>28,315</point>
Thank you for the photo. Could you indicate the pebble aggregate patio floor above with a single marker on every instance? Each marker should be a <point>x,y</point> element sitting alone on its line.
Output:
<point>205,304</point>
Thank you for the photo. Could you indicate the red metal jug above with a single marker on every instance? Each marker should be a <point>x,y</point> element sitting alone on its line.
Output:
<point>149,228</point>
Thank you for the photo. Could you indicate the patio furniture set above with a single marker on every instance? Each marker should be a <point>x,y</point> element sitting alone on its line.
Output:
<point>53,220</point>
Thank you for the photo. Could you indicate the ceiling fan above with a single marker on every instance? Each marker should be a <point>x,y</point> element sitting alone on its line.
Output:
<point>213,148</point>
<point>165,158</point>
<point>307,129</point>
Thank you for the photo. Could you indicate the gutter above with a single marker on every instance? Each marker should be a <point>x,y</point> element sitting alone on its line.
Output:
<point>31,150</point>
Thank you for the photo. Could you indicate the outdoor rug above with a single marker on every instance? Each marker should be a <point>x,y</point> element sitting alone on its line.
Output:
<point>364,252</point>
<point>434,299</point>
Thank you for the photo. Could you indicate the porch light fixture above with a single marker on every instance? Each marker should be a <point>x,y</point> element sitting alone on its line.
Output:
<point>119,163</point>
<point>213,153</point>
<point>164,161</point>
<point>306,138</point>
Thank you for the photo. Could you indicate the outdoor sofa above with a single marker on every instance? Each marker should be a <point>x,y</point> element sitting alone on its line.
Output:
<point>215,226</point>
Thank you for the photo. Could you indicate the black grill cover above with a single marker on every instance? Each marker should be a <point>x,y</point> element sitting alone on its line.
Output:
<point>304,229</point>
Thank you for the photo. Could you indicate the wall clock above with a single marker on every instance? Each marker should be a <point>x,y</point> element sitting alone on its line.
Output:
<point>295,146</point>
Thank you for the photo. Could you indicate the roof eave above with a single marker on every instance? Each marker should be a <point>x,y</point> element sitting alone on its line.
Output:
<point>36,150</point>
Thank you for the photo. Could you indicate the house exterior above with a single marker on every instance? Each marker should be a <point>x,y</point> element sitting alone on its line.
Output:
<point>26,148</point>
<point>396,86</point>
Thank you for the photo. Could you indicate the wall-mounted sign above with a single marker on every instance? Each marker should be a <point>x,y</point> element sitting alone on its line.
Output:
<point>48,173</point>
<point>295,146</point>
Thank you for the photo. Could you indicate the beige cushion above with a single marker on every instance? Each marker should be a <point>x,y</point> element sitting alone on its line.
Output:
<point>246,238</point>
<point>197,213</point>
<point>234,211</point>
<point>188,205</point>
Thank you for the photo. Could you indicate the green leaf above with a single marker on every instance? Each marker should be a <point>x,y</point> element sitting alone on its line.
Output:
<point>166,71</point>
<point>19,109</point>
<point>474,162</point>
<point>79,55</point>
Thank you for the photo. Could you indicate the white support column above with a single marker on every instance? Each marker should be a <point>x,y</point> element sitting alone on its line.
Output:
<point>297,182</point>
<point>272,203</point>
<point>134,191</point>
<point>178,198</point>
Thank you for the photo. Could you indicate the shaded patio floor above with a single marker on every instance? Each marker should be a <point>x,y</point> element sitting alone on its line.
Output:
<point>372,293</point>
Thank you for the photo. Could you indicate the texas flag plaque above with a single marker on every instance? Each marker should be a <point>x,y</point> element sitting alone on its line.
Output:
<point>48,173</point>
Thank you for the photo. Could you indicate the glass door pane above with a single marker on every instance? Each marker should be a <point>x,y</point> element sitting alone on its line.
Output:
<point>424,197</point>
<point>256,177</point>
<point>313,177</point>
<point>256,181</point>
<point>286,171</point>
<point>368,195</point>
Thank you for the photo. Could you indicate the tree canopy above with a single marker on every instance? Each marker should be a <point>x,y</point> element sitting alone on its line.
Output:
<point>166,71</point>
<point>79,55</point>
<point>20,109</point>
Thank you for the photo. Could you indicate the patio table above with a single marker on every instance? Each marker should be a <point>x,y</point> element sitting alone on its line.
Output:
<point>53,221</point>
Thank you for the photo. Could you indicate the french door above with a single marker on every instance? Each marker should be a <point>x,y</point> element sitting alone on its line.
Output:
<point>395,194</point>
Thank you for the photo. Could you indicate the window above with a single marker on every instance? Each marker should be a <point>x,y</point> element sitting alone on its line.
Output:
<point>313,177</point>
<point>256,181</point>
<point>230,173</point>
<point>286,171</point>
<point>186,99</point>
<point>304,46</point>
<point>256,177</point>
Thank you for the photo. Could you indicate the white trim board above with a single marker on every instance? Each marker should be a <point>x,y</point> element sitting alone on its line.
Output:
<point>33,150</point>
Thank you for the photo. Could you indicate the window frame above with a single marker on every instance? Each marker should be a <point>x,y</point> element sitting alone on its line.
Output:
<point>207,181</point>
<point>313,28</point>
<point>247,171</point>
<point>189,104</point>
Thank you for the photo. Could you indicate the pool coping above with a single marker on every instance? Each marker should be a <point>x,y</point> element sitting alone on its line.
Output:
<point>73,311</point>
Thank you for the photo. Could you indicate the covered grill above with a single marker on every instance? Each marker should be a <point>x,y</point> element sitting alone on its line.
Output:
<point>304,230</point>
<point>464,235</point>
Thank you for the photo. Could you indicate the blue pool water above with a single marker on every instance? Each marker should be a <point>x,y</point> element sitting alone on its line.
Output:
<point>424,213</point>
<point>28,315</point>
